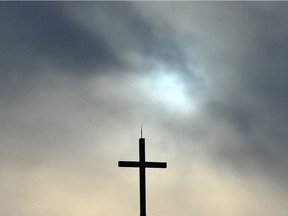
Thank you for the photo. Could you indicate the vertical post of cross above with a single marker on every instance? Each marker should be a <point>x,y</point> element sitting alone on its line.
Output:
<point>142,177</point>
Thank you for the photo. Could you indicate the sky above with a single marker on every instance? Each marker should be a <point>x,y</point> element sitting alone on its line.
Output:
<point>206,80</point>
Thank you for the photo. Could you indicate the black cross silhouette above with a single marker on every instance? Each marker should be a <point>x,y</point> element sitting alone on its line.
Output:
<point>142,164</point>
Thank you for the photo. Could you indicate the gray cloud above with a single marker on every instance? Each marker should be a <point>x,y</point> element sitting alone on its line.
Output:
<point>256,106</point>
<point>242,47</point>
<point>43,31</point>
<point>72,101</point>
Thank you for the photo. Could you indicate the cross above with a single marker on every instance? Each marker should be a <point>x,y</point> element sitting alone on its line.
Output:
<point>142,164</point>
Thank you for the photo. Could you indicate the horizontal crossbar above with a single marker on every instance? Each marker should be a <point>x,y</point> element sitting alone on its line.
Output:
<point>138,164</point>
<point>128,164</point>
<point>156,164</point>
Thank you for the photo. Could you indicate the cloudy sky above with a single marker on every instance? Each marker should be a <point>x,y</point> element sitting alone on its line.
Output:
<point>207,80</point>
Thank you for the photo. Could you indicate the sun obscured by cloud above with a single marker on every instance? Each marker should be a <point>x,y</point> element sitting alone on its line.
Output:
<point>168,89</point>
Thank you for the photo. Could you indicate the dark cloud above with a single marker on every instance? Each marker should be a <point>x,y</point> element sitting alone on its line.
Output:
<point>249,94</point>
<point>43,31</point>
<point>255,101</point>
<point>243,121</point>
<point>71,99</point>
<point>128,30</point>
<point>41,36</point>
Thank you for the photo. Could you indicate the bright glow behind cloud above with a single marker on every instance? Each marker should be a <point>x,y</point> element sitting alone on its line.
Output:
<point>168,89</point>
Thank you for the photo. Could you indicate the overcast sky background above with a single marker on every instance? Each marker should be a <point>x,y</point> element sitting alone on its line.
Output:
<point>207,80</point>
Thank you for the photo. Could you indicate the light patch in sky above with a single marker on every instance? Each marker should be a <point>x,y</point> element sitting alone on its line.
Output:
<point>168,88</point>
